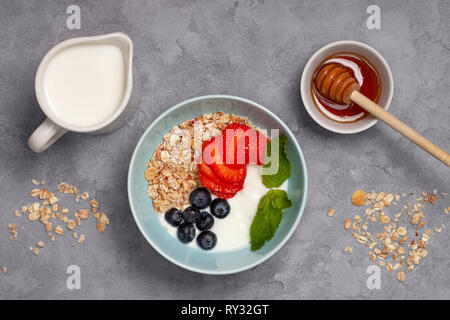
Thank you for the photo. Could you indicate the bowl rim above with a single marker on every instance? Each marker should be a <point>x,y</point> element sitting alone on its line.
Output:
<point>293,226</point>
<point>304,86</point>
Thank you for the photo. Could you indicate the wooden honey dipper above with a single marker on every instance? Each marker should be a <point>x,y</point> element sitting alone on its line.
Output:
<point>336,83</point>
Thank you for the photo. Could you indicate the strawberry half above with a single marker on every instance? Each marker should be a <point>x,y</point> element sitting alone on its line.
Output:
<point>215,187</point>
<point>223,181</point>
<point>213,158</point>
<point>235,145</point>
<point>206,170</point>
<point>243,145</point>
<point>208,173</point>
<point>229,175</point>
<point>211,150</point>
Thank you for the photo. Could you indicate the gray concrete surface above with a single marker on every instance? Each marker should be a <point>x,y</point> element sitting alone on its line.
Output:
<point>254,49</point>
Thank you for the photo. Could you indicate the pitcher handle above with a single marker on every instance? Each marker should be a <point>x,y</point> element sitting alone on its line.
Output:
<point>45,135</point>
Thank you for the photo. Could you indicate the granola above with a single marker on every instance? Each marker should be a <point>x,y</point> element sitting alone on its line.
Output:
<point>358,198</point>
<point>47,209</point>
<point>172,171</point>
<point>395,247</point>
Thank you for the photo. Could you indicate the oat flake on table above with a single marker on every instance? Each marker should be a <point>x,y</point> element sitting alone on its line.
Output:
<point>400,244</point>
<point>45,208</point>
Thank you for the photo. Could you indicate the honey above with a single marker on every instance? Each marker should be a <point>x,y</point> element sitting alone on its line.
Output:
<point>365,74</point>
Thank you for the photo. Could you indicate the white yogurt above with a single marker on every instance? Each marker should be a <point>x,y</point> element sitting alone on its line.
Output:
<point>233,232</point>
<point>85,84</point>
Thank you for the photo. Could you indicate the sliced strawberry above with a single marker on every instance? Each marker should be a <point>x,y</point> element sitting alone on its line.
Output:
<point>260,148</point>
<point>237,125</point>
<point>234,154</point>
<point>215,175</point>
<point>229,175</point>
<point>212,150</point>
<point>235,145</point>
<point>213,158</point>
<point>213,183</point>
<point>206,170</point>
<point>215,187</point>
<point>243,145</point>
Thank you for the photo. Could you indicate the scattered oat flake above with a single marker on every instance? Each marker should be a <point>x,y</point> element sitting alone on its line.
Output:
<point>35,182</point>
<point>388,199</point>
<point>102,218</point>
<point>71,224</point>
<point>4,269</point>
<point>401,276</point>
<point>82,214</point>
<point>348,249</point>
<point>331,212</point>
<point>36,251</point>
<point>35,192</point>
<point>401,231</point>
<point>100,227</point>
<point>396,248</point>
<point>347,224</point>
<point>59,230</point>
<point>93,203</point>
<point>82,238</point>
<point>40,244</point>
<point>48,227</point>
<point>380,196</point>
<point>384,219</point>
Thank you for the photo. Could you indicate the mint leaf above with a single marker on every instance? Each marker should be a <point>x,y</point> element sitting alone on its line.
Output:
<point>268,217</point>
<point>280,164</point>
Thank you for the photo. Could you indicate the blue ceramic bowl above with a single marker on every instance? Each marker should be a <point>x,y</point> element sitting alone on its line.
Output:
<point>195,259</point>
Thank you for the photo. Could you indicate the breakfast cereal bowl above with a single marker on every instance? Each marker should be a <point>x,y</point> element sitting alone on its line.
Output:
<point>149,222</point>
<point>352,47</point>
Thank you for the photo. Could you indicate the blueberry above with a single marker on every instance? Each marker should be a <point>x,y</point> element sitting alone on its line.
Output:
<point>220,208</point>
<point>186,232</point>
<point>191,214</point>
<point>206,221</point>
<point>173,216</point>
<point>200,198</point>
<point>207,240</point>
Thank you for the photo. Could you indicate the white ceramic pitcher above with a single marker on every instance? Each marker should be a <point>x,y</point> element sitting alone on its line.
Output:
<point>53,127</point>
